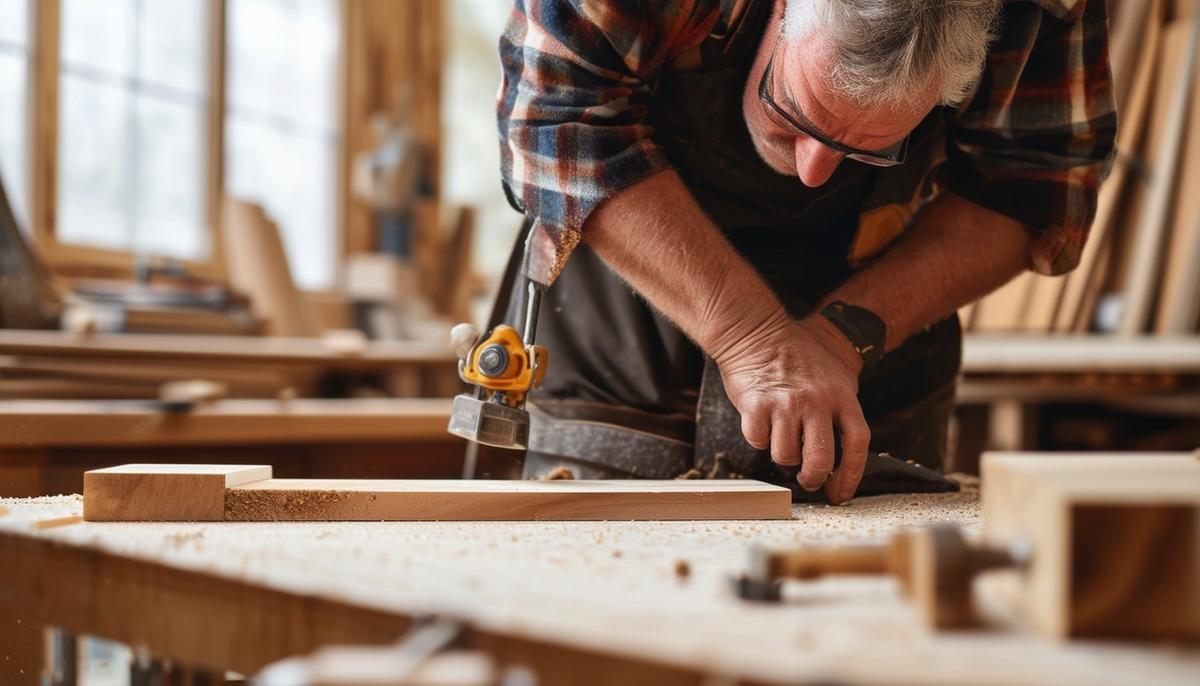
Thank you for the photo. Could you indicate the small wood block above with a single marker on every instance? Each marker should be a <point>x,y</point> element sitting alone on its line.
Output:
<point>1115,540</point>
<point>163,492</point>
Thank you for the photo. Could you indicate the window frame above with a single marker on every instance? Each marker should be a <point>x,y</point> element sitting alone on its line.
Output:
<point>73,261</point>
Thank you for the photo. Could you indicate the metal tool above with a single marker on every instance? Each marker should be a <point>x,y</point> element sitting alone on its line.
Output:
<point>935,567</point>
<point>503,367</point>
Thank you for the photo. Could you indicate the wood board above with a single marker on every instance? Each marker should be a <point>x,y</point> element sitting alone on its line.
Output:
<point>1082,287</point>
<point>138,492</point>
<point>257,265</point>
<point>1016,354</point>
<point>1004,309</point>
<point>1178,310</point>
<point>1180,44</point>
<point>377,355</point>
<point>134,423</point>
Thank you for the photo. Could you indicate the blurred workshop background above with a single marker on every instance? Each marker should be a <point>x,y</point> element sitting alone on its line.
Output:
<point>269,213</point>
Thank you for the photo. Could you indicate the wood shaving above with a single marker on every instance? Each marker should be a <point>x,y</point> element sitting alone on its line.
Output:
<point>43,524</point>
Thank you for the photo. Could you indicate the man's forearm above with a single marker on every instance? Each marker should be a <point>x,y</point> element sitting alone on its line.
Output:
<point>656,237</point>
<point>954,253</point>
<point>791,382</point>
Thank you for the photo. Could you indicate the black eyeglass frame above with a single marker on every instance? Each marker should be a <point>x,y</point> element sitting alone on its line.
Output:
<point>874,158</point>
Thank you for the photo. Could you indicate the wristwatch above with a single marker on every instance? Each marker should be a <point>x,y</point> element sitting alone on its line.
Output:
<point>865,330</point>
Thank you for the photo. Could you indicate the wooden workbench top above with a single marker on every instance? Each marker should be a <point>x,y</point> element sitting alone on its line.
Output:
<point>600,587</point>
<point>228,349</point>
<point>104,423</point>
<point>1091,354</point>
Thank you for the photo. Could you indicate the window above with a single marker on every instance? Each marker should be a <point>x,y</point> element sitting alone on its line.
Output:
<point>131,126</point>
<point>281,126</point>
<point>14,98</point>
<point>120,138</point>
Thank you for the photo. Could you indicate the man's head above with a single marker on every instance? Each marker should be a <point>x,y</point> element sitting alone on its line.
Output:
<point>859,75</point>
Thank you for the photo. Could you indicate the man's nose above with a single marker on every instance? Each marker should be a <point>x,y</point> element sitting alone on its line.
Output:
<point>815,163</point>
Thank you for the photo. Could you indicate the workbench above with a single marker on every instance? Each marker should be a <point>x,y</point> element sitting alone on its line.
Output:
<point>579,602</point>
<point>1009,379</point>
<point>46,445</point>
<point>57,364</point>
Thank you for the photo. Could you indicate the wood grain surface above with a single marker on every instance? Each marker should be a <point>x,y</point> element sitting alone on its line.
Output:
<point>194,493</point>
<point>576,602</point>
<point>232,349</point>
<point>1115,540</point>
<point>108,423</point>
<point>148,492</point>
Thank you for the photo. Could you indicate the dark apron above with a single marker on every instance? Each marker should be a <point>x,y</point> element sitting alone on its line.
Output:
<point>627,394</point>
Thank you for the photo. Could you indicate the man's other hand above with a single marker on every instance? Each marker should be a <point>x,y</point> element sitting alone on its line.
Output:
<point>794,382</point>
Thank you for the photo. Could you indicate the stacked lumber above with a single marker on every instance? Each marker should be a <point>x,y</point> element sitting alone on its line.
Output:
<point>1140,271</point>
<point>57,364</point>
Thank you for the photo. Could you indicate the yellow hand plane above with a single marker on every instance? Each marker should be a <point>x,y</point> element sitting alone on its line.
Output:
<point>503,367</point>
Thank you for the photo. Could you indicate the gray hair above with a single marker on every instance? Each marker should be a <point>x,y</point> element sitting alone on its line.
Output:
<point>886,50</point>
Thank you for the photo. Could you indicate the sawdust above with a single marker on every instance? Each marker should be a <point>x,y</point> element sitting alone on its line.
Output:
<point>3,511</point>
<point>559,473</point>
<point>249,505</point>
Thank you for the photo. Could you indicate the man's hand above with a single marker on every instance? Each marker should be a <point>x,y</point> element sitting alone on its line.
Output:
<point>793,382</point>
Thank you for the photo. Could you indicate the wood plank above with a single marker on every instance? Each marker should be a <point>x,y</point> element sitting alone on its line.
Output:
<point>43,123</point>
<point>258,267</point>
<point>225,349</point>
<point>147,492</point>
<point>1080,354</point>
<point>450,500</point>
<point>1041,308</point>
<point>1180,46</point>
<point>153,493</point>
<point>258,376</point>
<point>1128,25</point>
<point>1178,309</point>
<point>216,47</point>
<point>108,424</point>
<point>1081,290</point>
<point>1004,309</point>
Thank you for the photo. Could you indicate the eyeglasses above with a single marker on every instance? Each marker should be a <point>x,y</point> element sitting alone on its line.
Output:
<point>888,157</point>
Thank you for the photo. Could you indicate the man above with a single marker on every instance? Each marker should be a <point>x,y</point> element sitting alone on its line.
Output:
<point>727,286</point>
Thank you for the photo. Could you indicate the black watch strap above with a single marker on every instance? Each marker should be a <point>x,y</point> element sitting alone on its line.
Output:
<point>864,329</point>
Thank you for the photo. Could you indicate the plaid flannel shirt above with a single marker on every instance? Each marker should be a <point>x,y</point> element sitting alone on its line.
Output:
<point>1033,142</point>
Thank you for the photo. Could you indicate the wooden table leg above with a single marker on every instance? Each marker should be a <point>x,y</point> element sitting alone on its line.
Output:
<point>21,645</point>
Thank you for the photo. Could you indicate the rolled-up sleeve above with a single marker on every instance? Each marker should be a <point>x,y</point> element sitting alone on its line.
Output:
<point>1036,139</point>
<point>577,76</point>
